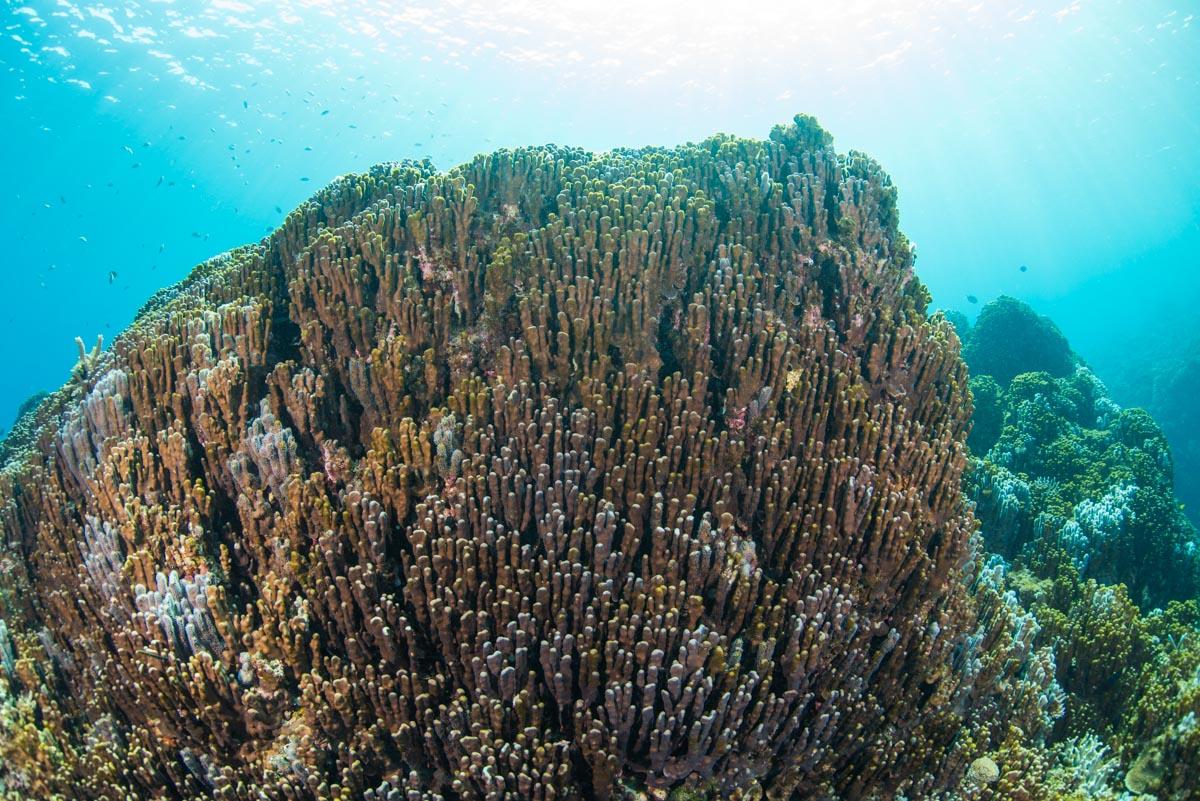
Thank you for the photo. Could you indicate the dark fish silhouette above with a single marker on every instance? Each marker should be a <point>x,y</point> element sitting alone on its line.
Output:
<point>112,276</point>
<point>1024,268</point>
<point>972,299</point>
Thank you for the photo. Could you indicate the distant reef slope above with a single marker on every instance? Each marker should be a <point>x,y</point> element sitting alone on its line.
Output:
<point>1065,467</point>
<point>1165,379</point>
<point>557,475</point>
<point>1075,496</point>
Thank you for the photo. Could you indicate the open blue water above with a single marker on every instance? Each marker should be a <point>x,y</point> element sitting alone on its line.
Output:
<point>142,138</point>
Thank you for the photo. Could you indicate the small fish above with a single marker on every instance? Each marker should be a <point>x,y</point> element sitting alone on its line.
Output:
<point>245,104</point>
<point>278,210</point>
<point>83,239</point>
<point>308,148</point>
<point>972,299</point>
<point>161,178</point>
<point>162,247</point>
<point>196,234</point>
<point>135,165</point>
<point>1024,269</point>
<point>304,179</point>
<point>62,198</point>
<point>128,149</point>
<point>323,113</point>
<point>112,276</point>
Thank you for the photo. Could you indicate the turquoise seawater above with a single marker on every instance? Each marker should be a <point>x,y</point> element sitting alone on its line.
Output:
<point>1045,150</point>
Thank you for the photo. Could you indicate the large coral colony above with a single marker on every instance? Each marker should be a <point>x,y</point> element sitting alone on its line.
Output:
<point>572,476</point>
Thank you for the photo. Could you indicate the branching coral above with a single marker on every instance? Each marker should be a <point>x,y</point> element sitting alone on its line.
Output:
<point>553,476</point>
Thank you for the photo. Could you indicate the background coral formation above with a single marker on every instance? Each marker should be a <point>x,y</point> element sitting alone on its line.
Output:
<point>1068,470</point>
<point>1166,381</point>
<point>22,430</point>
<point>1010,338</point>
<point>1077,494</point>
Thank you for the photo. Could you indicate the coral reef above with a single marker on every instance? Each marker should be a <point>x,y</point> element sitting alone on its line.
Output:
<point>1165,380</point>
<point>1010,338</point>
<point>1077,493</point>
<point>553,476</point>
<point>1071,472</point>
<point>24,426</point>
<point>987,421</point>
<point>1161,732</point>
